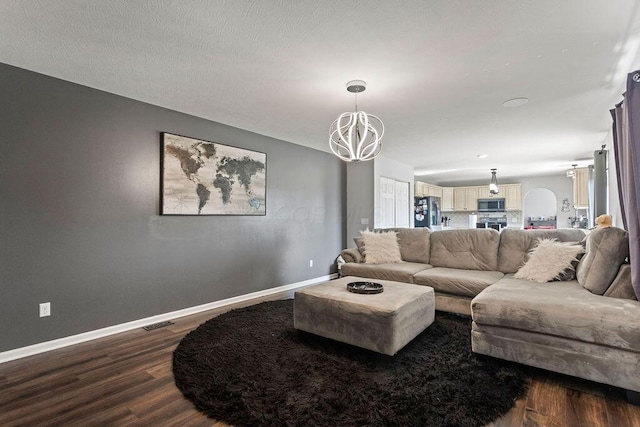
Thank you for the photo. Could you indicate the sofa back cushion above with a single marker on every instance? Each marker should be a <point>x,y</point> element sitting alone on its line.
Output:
<point>606,250</point>
<point>472,249</point>
<point>515,245</point>
<point>414,243</point>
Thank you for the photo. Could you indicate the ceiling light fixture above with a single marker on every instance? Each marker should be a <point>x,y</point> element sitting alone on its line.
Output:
<point>493,185</point>
<point>482,156</point>
<point>353,136</point>
<point>515,102</point>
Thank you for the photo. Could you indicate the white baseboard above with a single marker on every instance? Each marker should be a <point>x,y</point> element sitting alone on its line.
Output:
<point>31,350</point>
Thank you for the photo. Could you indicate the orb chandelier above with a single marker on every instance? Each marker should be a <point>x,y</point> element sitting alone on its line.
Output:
<point>356,136</point>
<point>493,185</point>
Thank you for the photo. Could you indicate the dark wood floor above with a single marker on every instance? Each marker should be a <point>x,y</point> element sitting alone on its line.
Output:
<point>126,380</point>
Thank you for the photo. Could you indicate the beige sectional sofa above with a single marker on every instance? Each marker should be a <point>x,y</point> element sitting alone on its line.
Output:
<point>587,327</point>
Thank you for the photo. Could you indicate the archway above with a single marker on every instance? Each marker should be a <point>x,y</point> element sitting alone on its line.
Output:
<point>540,207</point>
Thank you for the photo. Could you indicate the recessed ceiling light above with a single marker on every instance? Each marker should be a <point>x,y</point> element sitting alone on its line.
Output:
<point>515,102</point>
<point>482,156</point>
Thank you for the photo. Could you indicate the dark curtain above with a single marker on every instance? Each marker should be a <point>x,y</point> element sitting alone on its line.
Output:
<point>626,139</point>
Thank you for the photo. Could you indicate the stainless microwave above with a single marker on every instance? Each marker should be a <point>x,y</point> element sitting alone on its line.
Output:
<point>491,205</point>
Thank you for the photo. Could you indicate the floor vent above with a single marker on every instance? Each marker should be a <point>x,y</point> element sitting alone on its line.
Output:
<point>157,325</point>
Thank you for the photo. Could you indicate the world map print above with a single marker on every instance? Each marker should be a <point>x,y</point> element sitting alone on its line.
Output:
<point>206,178</point>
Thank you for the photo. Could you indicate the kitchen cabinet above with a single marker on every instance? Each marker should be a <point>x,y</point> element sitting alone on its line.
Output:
<point>472,199</point>
<point>447,199</point>
<point>434,191</point>
<point>465,198</point>
<point>423,189</point>
<point>512,194</point>
<point>483,192</point>
<point>459,199</point>
<point>581,188</point>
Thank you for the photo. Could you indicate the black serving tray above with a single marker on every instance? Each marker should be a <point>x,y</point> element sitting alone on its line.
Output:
<point>365,287</point>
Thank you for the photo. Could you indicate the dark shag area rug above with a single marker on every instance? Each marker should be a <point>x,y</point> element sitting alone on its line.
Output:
<point>250,367</point>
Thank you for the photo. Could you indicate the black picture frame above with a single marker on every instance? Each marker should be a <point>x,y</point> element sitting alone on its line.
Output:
<point>201,177</point>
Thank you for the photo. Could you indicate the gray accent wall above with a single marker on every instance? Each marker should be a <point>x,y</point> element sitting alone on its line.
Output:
<point>80,224</point>
<point>359,199</point>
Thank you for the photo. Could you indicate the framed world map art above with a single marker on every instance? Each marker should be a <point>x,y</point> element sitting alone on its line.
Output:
<point>206,178</point>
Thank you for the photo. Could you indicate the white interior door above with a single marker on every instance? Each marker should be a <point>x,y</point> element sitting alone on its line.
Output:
<point>395,209</point>
<point>402,209</point>
<point>387,203</point>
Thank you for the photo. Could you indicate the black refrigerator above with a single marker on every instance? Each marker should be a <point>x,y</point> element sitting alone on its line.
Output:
<point>426,211</point>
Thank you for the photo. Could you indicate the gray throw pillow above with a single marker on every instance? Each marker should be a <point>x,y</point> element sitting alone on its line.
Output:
<point>621,286</point>
<point>606,250</point>
<point>359,241</point>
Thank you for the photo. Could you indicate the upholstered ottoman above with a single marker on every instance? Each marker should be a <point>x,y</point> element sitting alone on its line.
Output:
<point>383,322</point>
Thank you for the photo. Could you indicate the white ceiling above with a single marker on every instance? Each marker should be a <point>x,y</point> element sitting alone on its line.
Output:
<point>438,71</point>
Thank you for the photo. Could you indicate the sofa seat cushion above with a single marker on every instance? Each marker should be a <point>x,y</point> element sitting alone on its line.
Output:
<point>397,272</point>
<point>563,309</point>
<point>457,281</point>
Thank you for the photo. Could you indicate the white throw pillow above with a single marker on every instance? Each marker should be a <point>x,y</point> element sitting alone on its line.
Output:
<point>381,248</point>
<point>548,260</point>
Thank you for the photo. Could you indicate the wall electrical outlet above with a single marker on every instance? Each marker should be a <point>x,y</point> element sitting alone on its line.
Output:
<point>45,309</point>
<point>310,263</point>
